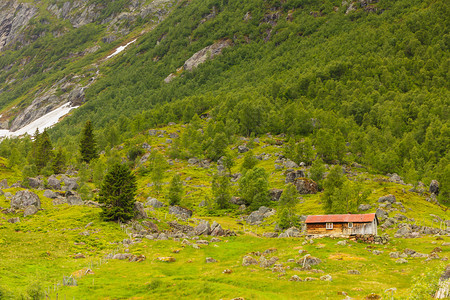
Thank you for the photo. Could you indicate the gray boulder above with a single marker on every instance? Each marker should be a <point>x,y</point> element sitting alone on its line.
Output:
<point>59,201</point>
<point>275,194</point>
<point>193,161</point>
<point>434,187</point>
<point>4,184</point>
<point>381,214</point>
<point>290,164</point>
<point>30,210</point>
<point>306,186</point>
<point>364,207</point>
<point>35,183</point>
<point>14,220</point>
<point>154,203</point>
<point>50,194</point>
<point>397,179</point>
<point>243,149</point>
<point>388,198</point>
<point>180,211</point>
<point>203,228</point>
<point>291,176</point>
<point>25,198</point>
<point>248,260</point>
<point>308,260</point>
<point>290,232</point>
<point>217,230</point>
<point>54,183</point>
<point>73,198</point>
<point>139,212</point>
<point>69,183</point>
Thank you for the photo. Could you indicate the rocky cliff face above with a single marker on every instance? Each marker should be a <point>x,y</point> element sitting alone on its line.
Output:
<point>14,16</point>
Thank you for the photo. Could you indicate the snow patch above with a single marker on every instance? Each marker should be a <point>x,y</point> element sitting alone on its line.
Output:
<point>120,49</point>
<point>43,122</point>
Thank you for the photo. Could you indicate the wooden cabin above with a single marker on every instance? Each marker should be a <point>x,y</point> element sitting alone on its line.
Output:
<point>342,224</point>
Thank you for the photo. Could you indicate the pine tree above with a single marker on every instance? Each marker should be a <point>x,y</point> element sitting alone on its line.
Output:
<point>43,152</point>
<point>117,193</point>
<point>87,144</point>
<point>59,162</point>
<point>175,190</point>
<point>286,205</point>
<point>221,186</point>
<point>254,188</point>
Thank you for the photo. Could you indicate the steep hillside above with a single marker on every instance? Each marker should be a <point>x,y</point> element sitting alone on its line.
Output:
<point>371,74</point>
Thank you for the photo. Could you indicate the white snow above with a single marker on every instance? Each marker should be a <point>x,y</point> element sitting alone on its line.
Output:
<point>43,122</point>
<point>120,49</point>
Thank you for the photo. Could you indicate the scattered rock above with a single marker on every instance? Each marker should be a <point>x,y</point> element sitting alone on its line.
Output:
<point>290,164</point>
<point>210,260</point>
<point>243,149</point>
<point>387,198</point>
<point>248,260</point>
<point>381,214</point>
<point>434,187</point>
<point>290,232</point>
<point>154,203</point>
<point>4,184</point>
<point>326,278</point>
<point>353,272</point>
<point>139,212</point>
<point>308,260</point>
<point>265,263</point>
<point>202,229</point>
<point>69,183</point>
<point>25,198</point>
<point>275,194</point>
<point>401,261</point>
<point>295,278</point>
<point>35,183</point>
<point>292,176</point>
<point>79,255</point>
<point>306,186</point>
<point>395,178</point>
<point>73,198</point>
<point>377,252</point>
<point>30,210</point>
<point>14,220</point>
<point>180,211</point>
<point>50,194</point>
<point>364,207</point>
<point>167,259</point>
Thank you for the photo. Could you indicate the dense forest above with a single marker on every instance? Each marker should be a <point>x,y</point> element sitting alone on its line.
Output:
<point>364,82</point>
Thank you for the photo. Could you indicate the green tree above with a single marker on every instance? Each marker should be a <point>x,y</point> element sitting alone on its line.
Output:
<point>88,145</point>
<point>317,171</point>
<point>286,207</point>
<point>158,165</point>
<point>117,193</point>
<point>340,195</point>
<point>254,188</point>
<point>59,162</point>
<point>250,161</point>
<point>221,190</point>
<point>43,153</point>
<point>175,190</point>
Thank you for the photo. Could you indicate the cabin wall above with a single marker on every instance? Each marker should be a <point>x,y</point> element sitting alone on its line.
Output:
<point>342,228</point>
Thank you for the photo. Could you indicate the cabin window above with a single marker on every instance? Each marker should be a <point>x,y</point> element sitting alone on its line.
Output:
<point>350,224</point>
<point>329,225</point>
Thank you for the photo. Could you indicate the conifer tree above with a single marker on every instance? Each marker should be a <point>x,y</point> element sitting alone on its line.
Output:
<point>175,190</point>
<point>59,162</point>
<point>221,189</point>
<point>43,150</point>
<point>88,144</point>
<point>117,193</point>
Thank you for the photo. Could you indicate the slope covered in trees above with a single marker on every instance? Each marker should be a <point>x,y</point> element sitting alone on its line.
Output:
<point>362,81</point>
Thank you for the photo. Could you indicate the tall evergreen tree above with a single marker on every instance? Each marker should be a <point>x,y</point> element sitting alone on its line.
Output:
<point>87,144</point>
<point>43,153</point>
<point>221,189</point>
<point>175,190</point>
<point>117,193</point>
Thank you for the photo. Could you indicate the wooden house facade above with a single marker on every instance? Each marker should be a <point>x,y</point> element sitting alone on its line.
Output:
<point>342,224</point>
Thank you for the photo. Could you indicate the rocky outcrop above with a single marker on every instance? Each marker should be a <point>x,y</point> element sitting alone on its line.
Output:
<point>14,16</point>
<point>206,54</point>
<point>306,186</point>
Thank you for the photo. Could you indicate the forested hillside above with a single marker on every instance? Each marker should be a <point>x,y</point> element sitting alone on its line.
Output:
<point>364,81</point>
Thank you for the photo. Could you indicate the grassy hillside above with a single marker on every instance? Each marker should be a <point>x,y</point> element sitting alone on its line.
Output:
<point>42,248</point>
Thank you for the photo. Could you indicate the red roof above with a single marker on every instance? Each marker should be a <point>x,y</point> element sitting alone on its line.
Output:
<point>340,218</point>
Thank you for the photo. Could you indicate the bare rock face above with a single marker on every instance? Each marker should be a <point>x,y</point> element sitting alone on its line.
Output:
<point>434,187</point>
<point>25,198</point>
<point>13,17</point>
<point>205,54</point>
